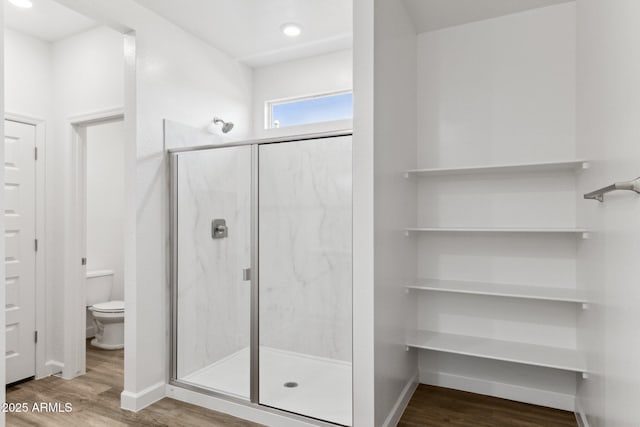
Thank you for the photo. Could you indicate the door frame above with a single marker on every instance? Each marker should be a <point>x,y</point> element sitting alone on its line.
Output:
<point>40,363</point>
<point>75,293</point>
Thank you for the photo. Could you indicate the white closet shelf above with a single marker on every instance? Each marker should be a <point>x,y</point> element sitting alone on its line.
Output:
<point>500,290</point>
<point>497,230</point>
<point>516,167</point>
<point>508,351</point>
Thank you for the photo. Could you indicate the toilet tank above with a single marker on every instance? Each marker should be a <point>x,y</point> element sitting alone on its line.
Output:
<point>99,284</point>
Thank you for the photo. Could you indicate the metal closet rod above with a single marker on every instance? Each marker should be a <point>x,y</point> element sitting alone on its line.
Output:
<point>598,195</point>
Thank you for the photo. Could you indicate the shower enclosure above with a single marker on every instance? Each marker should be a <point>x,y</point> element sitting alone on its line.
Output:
<point>261,273</point>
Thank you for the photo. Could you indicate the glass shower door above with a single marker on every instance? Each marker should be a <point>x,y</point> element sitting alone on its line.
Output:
<point>305,284</point>
<point>213,240</point>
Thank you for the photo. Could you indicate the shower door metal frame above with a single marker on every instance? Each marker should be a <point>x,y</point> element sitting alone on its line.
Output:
<point>254,344</point>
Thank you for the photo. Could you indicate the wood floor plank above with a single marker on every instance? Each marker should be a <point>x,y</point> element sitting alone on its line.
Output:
<point>433,406</point>
<point>96,401</point>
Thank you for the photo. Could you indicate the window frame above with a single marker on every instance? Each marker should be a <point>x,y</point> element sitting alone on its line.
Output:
<point>268,106</point>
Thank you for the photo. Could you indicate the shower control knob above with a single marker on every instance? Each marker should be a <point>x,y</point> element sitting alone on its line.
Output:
<point>219,229</point>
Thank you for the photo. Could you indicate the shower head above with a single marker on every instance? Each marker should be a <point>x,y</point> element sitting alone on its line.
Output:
<point>226,126</point>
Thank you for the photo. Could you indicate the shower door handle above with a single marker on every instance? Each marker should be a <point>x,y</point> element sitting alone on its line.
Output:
<point>219,229</point>
<point>246,274</point>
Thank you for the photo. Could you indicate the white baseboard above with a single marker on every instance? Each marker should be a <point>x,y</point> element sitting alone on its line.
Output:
<point>54,367</point>
<point>533,396</point>
<point>581,416</point>
<point>246,412</point>
<point>136,401</point>
<point>403,400</point>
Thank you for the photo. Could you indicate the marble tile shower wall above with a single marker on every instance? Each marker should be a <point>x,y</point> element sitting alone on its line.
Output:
<point>305,247</point>
<point>213,299</point>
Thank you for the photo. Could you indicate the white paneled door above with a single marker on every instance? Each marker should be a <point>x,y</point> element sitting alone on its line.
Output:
<point>20,257</point>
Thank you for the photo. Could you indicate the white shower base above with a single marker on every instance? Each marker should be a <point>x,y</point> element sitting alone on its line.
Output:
<point>323,391</point>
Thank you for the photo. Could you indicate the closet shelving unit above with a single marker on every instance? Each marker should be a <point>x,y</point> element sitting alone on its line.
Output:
<point>509,351</point>
<point>517,167</point>
<point>582,231</point>
<point>499,290</point>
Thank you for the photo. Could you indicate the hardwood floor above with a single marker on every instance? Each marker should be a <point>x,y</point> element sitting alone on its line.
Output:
<point>96,401</point>
<point>437,407</point>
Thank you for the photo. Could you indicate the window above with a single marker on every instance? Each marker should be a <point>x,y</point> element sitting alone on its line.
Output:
<point>310,109</point>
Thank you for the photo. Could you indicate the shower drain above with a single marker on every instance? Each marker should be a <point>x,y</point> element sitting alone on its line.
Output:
<point>291,384</point>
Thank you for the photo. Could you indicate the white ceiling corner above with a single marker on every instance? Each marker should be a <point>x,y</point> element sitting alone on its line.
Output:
<point>431,15</point>
<point>47,20</point>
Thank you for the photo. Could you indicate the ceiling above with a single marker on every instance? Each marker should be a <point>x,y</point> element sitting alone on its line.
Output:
<point>249,30</point>
<point>46,20</point>
<point>430,15</point>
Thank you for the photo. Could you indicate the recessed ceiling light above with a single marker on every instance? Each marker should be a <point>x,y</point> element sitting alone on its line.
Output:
<point>25,4</point>
<point>291,30</point>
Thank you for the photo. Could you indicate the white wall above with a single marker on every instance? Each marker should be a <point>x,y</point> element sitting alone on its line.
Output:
<point>498,91</point>
<point>363,239</point>
<point>394,206</point>
<point>332,72</point>
<point>2,267</point>
<point>181,78</point>
<point>28,79</point>
<point>105,201</point>
<point>608,133</point>
<point>88,73</point>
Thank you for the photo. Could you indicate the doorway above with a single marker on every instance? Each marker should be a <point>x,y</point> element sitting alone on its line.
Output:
<point>96,233</point>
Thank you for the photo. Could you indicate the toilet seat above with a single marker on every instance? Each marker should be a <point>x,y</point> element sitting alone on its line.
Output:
<point>108,307</point>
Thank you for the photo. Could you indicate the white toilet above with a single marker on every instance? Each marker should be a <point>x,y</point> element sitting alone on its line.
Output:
<point>108,316</point>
